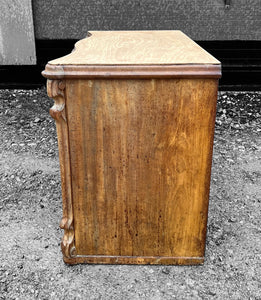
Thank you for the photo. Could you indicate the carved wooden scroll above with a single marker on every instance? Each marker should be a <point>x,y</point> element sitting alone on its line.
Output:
<point>56,91</point>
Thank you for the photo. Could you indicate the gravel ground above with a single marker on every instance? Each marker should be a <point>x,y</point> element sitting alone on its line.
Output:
<point>31,208</point>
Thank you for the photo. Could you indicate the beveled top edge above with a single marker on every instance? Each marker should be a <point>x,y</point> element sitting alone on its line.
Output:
<point>165,47</point>
<point>131,71</point>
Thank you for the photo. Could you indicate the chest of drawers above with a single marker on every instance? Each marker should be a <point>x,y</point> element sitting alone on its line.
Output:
<point>135,114</point>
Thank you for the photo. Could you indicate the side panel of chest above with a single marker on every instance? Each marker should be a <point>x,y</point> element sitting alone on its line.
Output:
<point>140,160</point>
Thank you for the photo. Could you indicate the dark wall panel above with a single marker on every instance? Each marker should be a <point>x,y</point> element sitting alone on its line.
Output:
<point>200,19</point>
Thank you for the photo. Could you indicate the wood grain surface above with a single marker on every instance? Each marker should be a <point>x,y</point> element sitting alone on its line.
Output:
<point>131,71</point>
<point>136,48</point>
<point>140,162</point>
<point>56,90</point>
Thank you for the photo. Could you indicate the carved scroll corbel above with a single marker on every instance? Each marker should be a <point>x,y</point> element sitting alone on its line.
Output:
<point>68,248</point>
<point>56,91</point>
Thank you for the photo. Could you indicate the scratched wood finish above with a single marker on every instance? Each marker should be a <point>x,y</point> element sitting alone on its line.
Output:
<point>136,48</point>
<point>140,161</point>
<point>135,124</point>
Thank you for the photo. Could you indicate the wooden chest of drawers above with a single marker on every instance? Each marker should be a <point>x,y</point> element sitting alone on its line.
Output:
<point>135,115</point>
